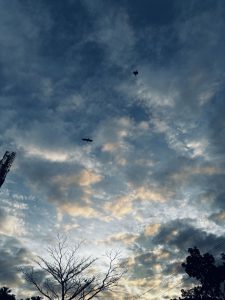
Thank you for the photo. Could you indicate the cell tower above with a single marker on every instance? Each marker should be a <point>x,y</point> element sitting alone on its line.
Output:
<point>5,164</point>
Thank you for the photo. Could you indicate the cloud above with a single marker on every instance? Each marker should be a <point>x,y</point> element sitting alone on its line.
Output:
<point>110,147</point>
<point>47,154</point>
<point>189,172</point>
<point>148,194</point>
<point>12,212</point>
<point>84,178</point>
<point>120,207</point>
<point>124,238</point>
<point>113,32</point>
<point>218,218</point>
<point>11,225</point>
<point>76,210</point>
<point>12,256</point>
<point>68,183</point>
<point>182,235</point>
<point>167,244</point>
<point>157,156</point>
<point>151,229</point>
<point>124,205</point>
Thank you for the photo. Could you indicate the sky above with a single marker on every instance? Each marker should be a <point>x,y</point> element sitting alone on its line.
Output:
<point>151,183</point>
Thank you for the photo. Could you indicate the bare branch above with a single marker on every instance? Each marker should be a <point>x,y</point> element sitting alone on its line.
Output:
<point>67,276</point>
<point>30,277</point>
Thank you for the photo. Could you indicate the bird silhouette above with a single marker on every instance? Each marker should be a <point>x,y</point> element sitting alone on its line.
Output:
<point>135,73</point>
<point>87,140</point>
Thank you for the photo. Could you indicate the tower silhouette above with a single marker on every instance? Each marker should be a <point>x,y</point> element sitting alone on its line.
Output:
<point>5,164</point>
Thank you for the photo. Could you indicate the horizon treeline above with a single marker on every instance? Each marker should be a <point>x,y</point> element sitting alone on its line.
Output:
<point>6,294</point>
<point>208,271</point>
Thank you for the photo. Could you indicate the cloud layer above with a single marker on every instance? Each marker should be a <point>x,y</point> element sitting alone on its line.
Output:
<point>152,181</point>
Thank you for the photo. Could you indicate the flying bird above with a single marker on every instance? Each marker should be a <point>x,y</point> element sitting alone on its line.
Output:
<point>87,140</point>
<point>135,73</point>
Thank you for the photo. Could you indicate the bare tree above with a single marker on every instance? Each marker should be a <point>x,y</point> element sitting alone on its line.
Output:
<point>67,276</point>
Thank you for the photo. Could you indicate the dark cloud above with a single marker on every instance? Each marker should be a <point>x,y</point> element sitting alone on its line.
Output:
<point>182,235</point>
<point>12,256</point>
<point>218,218</point>
<point>155,13</point>
<point>142,266</point>
<point>2,215</point>
<point>48,180</point>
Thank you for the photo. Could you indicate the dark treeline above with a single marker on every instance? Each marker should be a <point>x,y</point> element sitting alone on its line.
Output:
<point>6,294</point>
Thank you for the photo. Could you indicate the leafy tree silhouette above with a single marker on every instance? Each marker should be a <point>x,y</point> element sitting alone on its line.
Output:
<point>210,276</point>
<point>5,294</point>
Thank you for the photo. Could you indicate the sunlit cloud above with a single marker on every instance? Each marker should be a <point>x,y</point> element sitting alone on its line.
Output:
<point>110,147</point>
<point>47,154</point>
<point>188,172</point>
<point>125,238</point>
<point>120,207</point>
<point>12,226</point>
<point>198,148</point>
<point>148,194</point>
<point>78,211</point>
<point>151,229</point>
<point>84,178</point>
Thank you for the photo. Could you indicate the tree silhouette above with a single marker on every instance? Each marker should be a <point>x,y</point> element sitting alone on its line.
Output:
<point>5,294</point>
<point>210,276</point>
<point>67,276</point>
